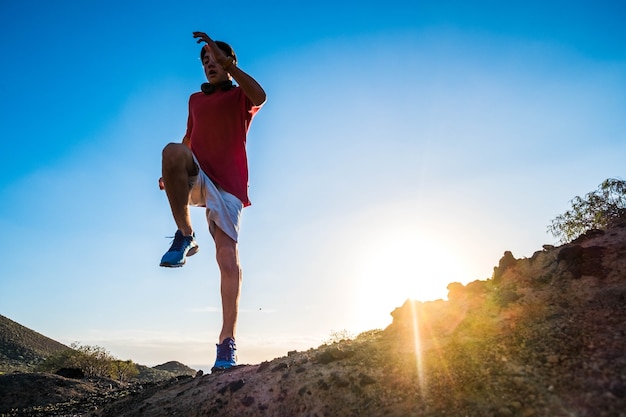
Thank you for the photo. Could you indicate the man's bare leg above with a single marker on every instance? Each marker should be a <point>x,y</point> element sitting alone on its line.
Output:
<point>177,167</point>
<point>230,274</point>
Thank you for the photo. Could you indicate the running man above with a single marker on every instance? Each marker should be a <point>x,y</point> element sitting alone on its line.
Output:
<point>210,169</point>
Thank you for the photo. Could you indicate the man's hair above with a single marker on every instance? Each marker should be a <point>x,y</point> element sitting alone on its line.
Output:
<point>226,48</point>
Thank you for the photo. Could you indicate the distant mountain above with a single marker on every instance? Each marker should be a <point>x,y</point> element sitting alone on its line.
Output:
<point>21,349</point>
<point>176,368</point>
<point>163,372</point>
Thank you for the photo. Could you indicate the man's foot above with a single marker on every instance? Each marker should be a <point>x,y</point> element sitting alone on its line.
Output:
<point>226,356</point>
<point>182,246</point>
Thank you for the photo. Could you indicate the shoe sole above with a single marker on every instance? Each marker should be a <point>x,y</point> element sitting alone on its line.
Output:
<point>191,252</point>
<point>215,370</point>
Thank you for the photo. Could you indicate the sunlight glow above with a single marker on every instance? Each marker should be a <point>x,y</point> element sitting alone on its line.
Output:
<point>402,265</point>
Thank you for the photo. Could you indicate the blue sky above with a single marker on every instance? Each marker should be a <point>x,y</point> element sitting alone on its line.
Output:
<point>402,147</point>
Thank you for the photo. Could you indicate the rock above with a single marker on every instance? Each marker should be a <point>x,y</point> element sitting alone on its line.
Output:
<point>506,262</point>
<point>73,373</point>
<point>333,353</point>
<point>247,401</point>
<point>366,380</point>
<point>280,367</point>
<point>579,260</point>
<point>589,234</point>
<point>552,359</point>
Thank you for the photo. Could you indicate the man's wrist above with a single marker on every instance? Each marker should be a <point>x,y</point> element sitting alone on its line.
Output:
<point>229,61</point>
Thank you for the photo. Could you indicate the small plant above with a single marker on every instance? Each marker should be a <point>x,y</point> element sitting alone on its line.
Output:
<point>595,210</point>
<point>338,336</point>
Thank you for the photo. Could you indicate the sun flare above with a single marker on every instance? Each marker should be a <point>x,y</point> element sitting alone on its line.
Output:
<point>394,268</point>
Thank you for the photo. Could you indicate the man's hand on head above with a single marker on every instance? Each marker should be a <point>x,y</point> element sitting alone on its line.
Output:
<point>218,54</point>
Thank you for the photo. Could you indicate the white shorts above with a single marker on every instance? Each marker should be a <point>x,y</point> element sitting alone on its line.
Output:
<point>222,209</point>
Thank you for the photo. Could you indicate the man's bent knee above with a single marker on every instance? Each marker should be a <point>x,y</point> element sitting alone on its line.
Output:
<point>178,155</point>
<point>175,151</point>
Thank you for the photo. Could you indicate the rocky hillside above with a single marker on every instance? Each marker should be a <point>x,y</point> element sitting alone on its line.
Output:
<point>545,336</point>
<point>21,349</point>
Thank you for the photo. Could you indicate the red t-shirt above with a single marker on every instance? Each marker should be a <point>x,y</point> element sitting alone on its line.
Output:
<point>217,127</point>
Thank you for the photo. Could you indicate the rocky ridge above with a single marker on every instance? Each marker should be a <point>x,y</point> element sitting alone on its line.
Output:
<point>545,336</point>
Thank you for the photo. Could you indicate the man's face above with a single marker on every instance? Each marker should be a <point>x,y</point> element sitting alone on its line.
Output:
<point>213,71</point>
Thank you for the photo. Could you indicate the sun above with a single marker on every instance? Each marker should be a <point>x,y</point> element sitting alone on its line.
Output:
<point>394,267</point>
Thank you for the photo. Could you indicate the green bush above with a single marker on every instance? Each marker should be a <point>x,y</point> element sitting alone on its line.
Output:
<point>63,359</point>
<point>595,210</point>
<point>123,370</point>
<point>94,361</point>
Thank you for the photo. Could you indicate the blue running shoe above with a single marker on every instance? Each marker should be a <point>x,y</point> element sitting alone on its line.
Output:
<point>182,246</point>
<point>226,356</point>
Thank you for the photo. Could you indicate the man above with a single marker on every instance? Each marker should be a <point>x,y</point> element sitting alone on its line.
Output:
<point>209,169</point>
